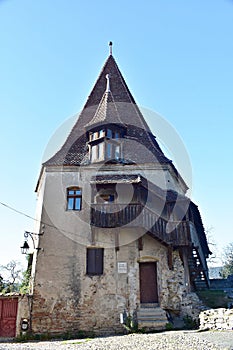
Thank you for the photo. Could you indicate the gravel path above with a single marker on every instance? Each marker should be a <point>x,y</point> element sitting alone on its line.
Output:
<point>182,340</point>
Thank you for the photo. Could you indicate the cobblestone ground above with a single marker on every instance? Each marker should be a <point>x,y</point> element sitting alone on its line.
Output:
<point>182,340</point>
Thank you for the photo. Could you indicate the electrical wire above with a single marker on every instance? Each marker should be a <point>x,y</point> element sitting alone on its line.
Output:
<point>17,211</point>
<point>32,218</point>
<point>41,222</point>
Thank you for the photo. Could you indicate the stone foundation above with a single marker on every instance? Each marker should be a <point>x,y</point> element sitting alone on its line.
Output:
<point>217,319</point>
<point>192,306</point>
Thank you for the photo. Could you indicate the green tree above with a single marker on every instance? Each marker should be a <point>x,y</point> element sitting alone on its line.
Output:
<point>11,277</point>
<point>1,283</point>
<point>25,285</point>
<point>227,261</point>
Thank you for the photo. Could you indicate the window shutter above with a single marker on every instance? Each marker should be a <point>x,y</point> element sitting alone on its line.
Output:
<point>95,261</point>
<point>99,260</point>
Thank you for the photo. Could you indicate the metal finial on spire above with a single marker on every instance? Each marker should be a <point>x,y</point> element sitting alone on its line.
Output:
<point>110,47</point>
<point>108,83</point>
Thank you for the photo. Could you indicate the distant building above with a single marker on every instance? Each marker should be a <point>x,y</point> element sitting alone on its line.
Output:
<point>120,239</point>
<point>215,272</point>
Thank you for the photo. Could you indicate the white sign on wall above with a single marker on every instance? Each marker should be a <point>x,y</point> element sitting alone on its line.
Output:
<point>122,267</point>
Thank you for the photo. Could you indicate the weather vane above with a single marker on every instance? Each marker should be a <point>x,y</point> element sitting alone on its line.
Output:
<point>110,47</point>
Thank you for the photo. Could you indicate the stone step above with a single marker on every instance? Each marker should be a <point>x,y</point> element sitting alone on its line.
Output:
<point>143,313</point>
<point>149,305</point>
<point>151,318</point>
<point>152,325</point>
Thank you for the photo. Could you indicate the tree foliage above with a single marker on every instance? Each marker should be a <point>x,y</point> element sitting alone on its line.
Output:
<point>25,284</point>
<point>1,283</point>
<point>214,258</point>
<point>227,261</point>
<point>11,277</point>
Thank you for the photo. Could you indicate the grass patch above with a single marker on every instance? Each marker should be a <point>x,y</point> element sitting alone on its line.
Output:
<point>78,337</point>
<point>214,299</point>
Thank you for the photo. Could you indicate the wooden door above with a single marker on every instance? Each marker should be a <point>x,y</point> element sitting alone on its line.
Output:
<point>148,282</point>
<point>8,315</point>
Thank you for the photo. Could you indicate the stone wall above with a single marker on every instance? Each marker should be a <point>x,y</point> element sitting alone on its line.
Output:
<point>65,297</point>
<point>191,306</point>
<point>217,283</point>
<point>217,319</point>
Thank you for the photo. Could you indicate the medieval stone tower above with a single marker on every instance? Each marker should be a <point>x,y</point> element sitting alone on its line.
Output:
<point>120,239</point>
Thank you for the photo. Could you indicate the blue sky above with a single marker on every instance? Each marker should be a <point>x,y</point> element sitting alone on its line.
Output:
<point>176,57</point>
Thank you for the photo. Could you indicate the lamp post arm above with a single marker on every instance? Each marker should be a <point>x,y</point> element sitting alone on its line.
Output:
<point>30,234</point>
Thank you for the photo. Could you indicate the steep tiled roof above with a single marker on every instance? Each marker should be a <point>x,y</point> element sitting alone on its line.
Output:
<point>102,106</point>
<point>106,113</point>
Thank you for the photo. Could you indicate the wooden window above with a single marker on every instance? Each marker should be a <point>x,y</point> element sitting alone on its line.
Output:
<point>109,151</point>
<point>95,261</point>
<point>113,151</point>
<point>117,152</point>
<point>94,152</point>
<point>74,198</point>
<point>109,133</point>
<point>95,135</point>
<point>97,152</point>
<point>101,151</point>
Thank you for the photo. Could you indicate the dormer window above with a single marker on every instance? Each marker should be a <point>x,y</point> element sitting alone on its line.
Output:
<point>109,133</point>
<point>106,129</point>
<point>109,151</point>
<point>112,134</point>
<point>105,144</point>
<point>97,152</point>
<point>96,135</point>
<point>117,152</point>
<point>113,151</point>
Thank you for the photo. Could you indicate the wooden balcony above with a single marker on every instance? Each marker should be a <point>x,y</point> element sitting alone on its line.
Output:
<point>113,215</point>
<point>175,234</point>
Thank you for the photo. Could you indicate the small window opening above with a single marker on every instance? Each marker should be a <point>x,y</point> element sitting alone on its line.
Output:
<point>95,261</point>
<point>74,198</point>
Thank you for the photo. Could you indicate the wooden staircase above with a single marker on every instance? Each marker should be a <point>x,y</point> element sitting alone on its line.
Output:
<point>151,317</point>
<point>198,272</point>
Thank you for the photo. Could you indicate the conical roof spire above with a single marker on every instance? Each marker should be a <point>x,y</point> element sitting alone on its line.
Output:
<point>109,102</point>
<point>107,111</point>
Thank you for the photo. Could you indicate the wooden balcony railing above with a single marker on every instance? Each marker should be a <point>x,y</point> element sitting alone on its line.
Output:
<point>136,215</point>
<point>176,234</point>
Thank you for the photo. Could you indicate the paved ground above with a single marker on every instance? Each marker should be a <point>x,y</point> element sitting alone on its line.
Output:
<point>180,340</point>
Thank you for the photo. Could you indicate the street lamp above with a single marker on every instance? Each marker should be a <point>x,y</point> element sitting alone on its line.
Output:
<point>25,247</point>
